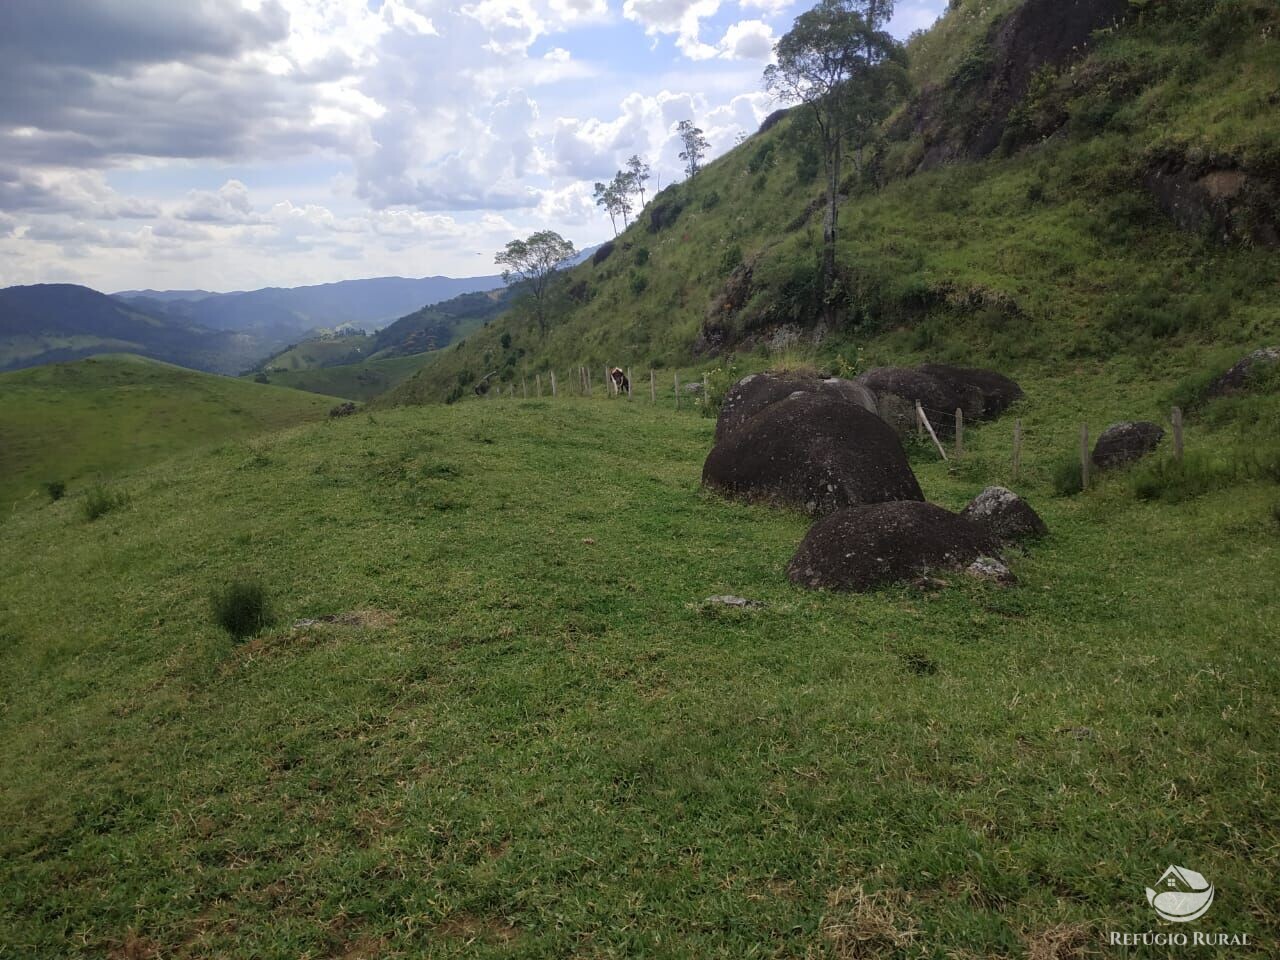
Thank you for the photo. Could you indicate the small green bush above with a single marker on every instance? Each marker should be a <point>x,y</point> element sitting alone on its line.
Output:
<point>99,501</point>
<point>1173,481</point>
<point>241,608</point>
<point>56,490</point>
<point>1065,476</point>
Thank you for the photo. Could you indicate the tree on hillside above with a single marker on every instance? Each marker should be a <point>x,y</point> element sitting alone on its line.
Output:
<point>838,61</point>
<point>639,171</point>
<point>535,261</point>
<point>622,187</point>
<point>695,146</point>
<point>605,198</point>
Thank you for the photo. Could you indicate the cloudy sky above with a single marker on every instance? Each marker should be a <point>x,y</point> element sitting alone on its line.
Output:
<point>232,144</point>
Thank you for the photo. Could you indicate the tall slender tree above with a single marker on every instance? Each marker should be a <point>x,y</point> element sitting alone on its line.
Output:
<point>840,63</point>
<point>639,171</point>
<point>622,188</point>
<point>604,198</point>
<point>695,147</point>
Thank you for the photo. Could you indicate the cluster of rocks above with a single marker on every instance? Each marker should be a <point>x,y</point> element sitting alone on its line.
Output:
<point>823,445</point>
<point>941,390</point>
<point>345,409</point>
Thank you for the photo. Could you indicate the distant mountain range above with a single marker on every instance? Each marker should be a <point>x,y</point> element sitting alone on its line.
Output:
<point>289,311</point>
<point>233,332</point>
<point>54,322</point>
<point>217,332</point>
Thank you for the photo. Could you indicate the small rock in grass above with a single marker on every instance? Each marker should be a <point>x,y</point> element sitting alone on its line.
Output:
<point>742,603</point>
<point>992,570</point>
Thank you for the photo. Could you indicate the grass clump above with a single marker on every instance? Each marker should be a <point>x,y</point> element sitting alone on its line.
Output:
<point>101,500</point>
<point>242,608</point>
<point>1197,473</point>
<point>56,490</point>
<point>1065,476</point>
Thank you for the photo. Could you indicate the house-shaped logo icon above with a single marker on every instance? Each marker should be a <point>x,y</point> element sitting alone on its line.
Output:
<point>1181,895</point>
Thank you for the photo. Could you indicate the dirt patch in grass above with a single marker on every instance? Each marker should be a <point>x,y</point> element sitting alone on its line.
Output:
<point>472,928</point>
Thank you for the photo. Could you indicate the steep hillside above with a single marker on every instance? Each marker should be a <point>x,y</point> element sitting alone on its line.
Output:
<point>1119,196</point>
<point>47,323</point>
<point>78,422</point>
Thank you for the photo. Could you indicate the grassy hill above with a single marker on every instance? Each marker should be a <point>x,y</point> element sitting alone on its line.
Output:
<point>356,381</point>
<point>76,422</point>
<point>1092,230</point>
<point>521,732</point>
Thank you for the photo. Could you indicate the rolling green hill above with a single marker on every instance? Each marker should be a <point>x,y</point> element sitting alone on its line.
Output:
<point>78,422</point>
<point>1131,205</point>
<point>521,730</point>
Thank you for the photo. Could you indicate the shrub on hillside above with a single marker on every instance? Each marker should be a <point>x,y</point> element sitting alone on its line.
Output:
<point>241,608</point>
<point>56,489</point>
<point>99,501</point>
<point>1065,476</point>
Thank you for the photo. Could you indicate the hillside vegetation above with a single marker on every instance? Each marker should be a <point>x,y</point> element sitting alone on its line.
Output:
<point>1092,229</point>
<point>520,731</point>
<point>361,380</point>
<point>75,423</point>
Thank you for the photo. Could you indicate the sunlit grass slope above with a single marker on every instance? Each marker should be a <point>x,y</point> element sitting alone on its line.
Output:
<point>530,738</point>
<point>79,422</point>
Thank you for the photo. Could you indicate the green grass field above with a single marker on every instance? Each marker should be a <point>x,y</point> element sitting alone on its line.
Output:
<point>526,736</point>
<point>82,421</point>
<point>356,381</point>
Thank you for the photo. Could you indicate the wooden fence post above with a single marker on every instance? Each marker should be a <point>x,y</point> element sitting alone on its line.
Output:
<point>1084,456</point>
<point>653,388</point>
<point>959,432</point>
<point>537,382</point>
<point>628,383</point>
<point>524,389</point>
<point>1017,447</point>
<point>553,383</point>
<point>677,389</point>
<point>611,388</point>
<point>706,393</point>
<point>1176,417</point>
<point>923,422</point>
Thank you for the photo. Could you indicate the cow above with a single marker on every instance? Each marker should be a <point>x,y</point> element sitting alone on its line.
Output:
<point>620,382</point>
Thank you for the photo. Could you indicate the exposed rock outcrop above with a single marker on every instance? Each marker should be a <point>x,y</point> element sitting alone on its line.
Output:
<point>1004,515</point>
<point>1245,369</point>
<point>753,393</point>
<point>1218,198</point>
<point>863,547</point>
<point>815,451</point>
<point>1127,442</point>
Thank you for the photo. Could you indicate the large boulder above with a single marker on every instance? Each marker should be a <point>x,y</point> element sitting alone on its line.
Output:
<point>1237,378</point>
<point>863,547</point>
<point>898,388</point>
<point>997,392</point>
<point>753,393</point>
<point>1125,443</point>
<point>1004,515</point>
<point>815,451</point>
